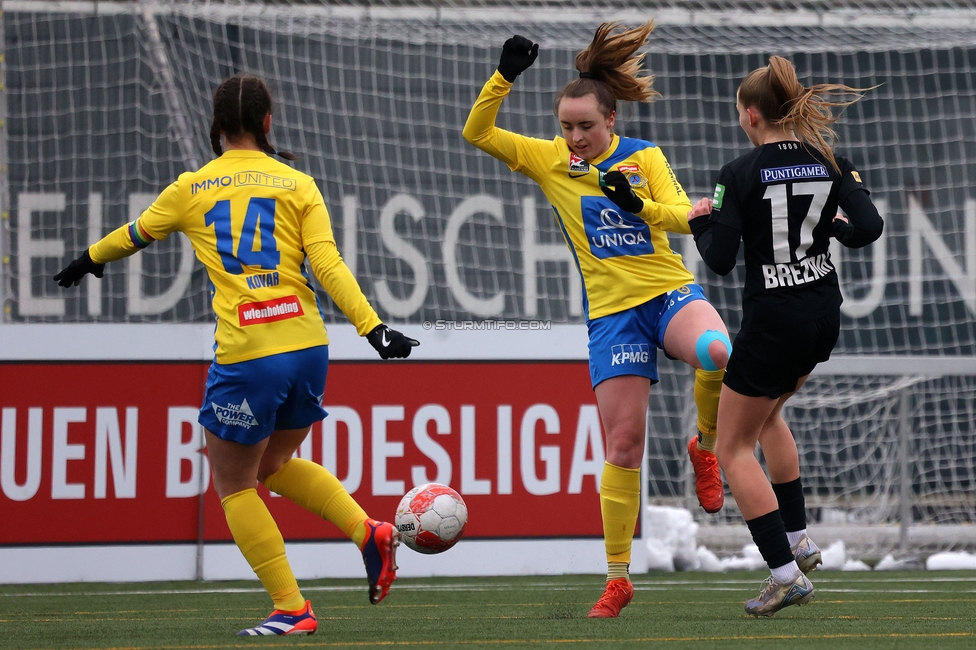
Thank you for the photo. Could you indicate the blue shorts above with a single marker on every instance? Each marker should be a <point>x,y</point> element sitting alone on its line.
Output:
<point>626,343</point>
<point>247,401</point>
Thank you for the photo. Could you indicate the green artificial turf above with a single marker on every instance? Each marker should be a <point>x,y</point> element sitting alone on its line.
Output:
<point>684,610</point>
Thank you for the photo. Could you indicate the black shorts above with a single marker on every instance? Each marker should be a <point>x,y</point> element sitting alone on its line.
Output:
<point>769,363</point>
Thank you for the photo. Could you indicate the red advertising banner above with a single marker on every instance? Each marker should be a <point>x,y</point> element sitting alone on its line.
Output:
<point>112,452</point>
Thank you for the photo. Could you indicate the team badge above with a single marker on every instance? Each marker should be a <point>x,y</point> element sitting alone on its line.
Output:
<point>633,175</point>
<point>856,176</point>
<point>577,164</point>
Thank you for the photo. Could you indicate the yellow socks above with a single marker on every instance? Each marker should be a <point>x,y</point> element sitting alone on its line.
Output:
<point>708,387</point>
<point>259,539</point>
<point>620,505</point>
<point>315,488</point>
<point>617,570</point>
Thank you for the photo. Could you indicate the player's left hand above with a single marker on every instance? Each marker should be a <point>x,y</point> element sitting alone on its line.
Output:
<point>390,343</point>
<point>617,188</point>
<point>700,209</point>
<point>79,268</point>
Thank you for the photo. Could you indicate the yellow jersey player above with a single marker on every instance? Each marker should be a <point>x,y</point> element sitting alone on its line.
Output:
<point>614,200</point>
<point>251,221</point>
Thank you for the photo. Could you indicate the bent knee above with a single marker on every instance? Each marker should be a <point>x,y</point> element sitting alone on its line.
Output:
<point>713,349</point>
<point>269,466</point>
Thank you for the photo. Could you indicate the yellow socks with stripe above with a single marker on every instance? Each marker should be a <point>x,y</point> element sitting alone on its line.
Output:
<point>616,570</point>
<point>620,505</point>
<point>257,535</point>
<point>708,387</point>
<point>315,488</point>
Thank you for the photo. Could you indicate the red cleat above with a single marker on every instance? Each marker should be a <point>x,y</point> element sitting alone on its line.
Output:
<point>615,597</point>
<point>708,479</point>
<point>379,556</point>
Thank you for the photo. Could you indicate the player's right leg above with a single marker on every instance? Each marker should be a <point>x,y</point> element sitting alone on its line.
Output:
<point>623,365</point>
<point>623,405</point>
<point>315,488</point>
<point>783,464</point>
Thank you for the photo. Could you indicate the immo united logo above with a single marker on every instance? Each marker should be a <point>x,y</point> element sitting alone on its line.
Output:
<point>235,415</point>
<point>629,353</point>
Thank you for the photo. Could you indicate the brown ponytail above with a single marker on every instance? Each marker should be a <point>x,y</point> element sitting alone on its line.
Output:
<point>608,68</point>
<point>240,105</point>
<point>778,95</point>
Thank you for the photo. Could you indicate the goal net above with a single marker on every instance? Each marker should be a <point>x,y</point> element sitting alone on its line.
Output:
<point>106,102</point>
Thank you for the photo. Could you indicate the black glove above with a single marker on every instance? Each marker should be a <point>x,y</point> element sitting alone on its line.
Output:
<point>74,272</point>
<point>391,344</point>
<point>841,230</point>
<point>518,53</point>
<point>617,188</point>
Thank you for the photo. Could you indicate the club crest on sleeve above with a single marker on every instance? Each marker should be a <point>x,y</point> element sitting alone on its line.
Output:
<point>856,176</point>
<point>633,174</point>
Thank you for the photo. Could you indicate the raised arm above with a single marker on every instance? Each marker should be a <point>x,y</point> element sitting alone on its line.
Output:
<point>519,152</point>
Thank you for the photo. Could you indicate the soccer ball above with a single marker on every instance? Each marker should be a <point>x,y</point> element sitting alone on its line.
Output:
<point>431,518</point>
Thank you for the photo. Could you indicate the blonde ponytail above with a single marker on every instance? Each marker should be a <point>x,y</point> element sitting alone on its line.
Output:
<point>776,92</point>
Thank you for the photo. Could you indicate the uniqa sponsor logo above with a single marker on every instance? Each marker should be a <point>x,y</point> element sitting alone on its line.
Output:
<point>617,239</point>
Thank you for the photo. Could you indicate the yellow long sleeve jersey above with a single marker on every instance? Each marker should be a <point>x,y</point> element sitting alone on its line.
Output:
<point>251,221</point>
<point>624,260</point>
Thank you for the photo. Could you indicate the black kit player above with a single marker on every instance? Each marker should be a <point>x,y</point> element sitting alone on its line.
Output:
<point>780,200</point>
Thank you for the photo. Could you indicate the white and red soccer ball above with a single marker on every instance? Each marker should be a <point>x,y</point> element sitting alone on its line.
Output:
<point>431,518</point>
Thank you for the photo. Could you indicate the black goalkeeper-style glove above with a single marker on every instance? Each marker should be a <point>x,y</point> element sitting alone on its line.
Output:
<point>391,344</point>
<point>74,272</point>
<point>617,188</point>
<point>518,53</point>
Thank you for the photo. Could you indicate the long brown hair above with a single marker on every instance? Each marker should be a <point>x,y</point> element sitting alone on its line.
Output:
<point>776,92</point>
<point>609,68</point>
<point>240,105</point>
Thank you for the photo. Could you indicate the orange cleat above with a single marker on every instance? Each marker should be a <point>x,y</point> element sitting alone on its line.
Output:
<point>708,478</point>
<point>379,556</point>
<point>615,597</point>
